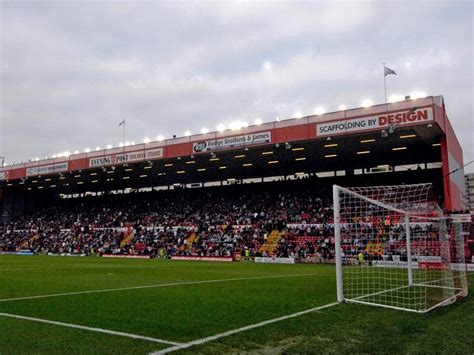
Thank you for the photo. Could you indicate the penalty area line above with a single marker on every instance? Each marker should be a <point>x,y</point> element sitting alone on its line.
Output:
<point>239,330</point>
<point>91,329</point>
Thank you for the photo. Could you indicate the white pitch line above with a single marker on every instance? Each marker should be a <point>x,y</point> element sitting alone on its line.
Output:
<point>91,329</point>
<point>239,330</point>
<point>154,286</point>
<point>87,267</point>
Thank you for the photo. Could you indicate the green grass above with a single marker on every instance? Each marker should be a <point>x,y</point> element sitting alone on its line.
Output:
<point>183,313</point>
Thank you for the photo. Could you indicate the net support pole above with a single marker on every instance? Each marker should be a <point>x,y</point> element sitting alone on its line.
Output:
<point>408,242</point>
<point>337,236</point>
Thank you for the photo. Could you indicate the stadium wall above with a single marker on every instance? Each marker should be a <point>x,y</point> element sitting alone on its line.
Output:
<point>452,159</point>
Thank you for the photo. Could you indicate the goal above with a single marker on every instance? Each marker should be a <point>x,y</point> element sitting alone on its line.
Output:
<point>395,249</point>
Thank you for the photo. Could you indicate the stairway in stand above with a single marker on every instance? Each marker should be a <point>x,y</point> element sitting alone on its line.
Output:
<point>271,244</point>
<point>127,239</point>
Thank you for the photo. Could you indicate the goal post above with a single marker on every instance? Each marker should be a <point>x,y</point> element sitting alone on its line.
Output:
<point>395,249</point>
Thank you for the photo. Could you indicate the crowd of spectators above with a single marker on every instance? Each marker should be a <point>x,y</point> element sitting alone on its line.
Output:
<point>218,221</point>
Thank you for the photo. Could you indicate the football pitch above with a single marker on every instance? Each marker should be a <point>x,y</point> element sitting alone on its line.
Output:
<point>98,305</point>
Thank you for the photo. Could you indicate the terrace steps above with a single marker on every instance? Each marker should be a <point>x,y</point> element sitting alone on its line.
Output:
<point>271,243</point>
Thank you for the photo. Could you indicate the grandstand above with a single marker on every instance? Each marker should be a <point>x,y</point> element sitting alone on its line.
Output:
<point>259,193</point>
<point>398,143</point>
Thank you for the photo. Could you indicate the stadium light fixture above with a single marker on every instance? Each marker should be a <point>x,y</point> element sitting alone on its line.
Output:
<point>97,149</point>
<point>87,150</point>
<point>235,125</point>
<point>187,133</point>
<point>319,111</point>
<point>330,156</point>
<point>204,130</point>
<point>367,103</point>
<point>146,140</point>
<point>278,119</point>
<point>67,153</point>
<point>127,143</point>
<point>160,138</point>
<point>221,127</point>
<point>342,107</point>
<point>363,152</point>
<point>399,148</point>
<point>330,145</point>
<point>396,98</point>
<point>109,146</point>
<point>59,155</point>
<point>408,136</point>
<point>37,159</point>
<point>121,145</point>
<point>258,122</point>
<point>53,156</point>
<point>367,141</point>
<point>300,159</point>
<point>76,152</point>
<point>417,95</point>
<point>298,114</point>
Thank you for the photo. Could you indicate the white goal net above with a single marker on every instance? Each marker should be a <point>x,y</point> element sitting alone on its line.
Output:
<point>395,249</point>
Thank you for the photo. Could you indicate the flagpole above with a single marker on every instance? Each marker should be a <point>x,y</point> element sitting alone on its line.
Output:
<point>384,82</point>
<point>123,132</point>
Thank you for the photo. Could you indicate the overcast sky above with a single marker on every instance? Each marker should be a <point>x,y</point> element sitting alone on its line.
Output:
<point>72,70</point>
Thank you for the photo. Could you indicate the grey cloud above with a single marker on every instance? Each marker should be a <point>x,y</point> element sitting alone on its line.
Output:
<point>72,70</point>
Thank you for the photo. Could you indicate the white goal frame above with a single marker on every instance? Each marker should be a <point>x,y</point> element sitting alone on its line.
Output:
<point>451,286</point>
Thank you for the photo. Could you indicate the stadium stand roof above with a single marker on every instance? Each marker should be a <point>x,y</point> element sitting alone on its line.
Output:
<point>395,134</point>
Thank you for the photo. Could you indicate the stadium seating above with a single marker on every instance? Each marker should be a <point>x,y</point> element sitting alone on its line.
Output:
<point>295,216</point>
